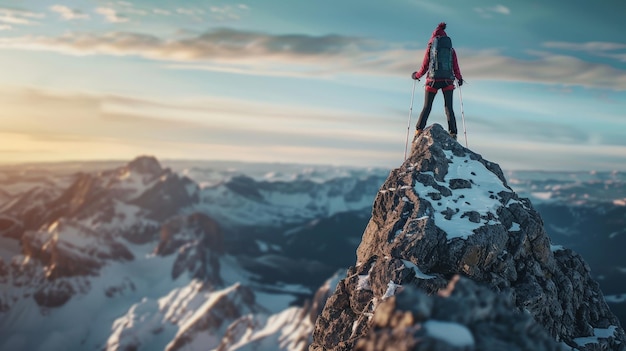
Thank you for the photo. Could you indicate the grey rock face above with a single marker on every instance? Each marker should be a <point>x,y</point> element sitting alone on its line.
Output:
<point>197,241</point>
<point>81,252</point>
<point>448,211</point>
<point>145,164</point>
<point>465,316</point>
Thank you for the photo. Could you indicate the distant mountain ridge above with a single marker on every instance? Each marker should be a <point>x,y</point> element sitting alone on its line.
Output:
<point>106,255</point>
<point>141,257</point>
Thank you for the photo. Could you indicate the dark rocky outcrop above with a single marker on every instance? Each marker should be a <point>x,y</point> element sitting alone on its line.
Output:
<point>145,164</point>
<point>55,294</point>
<point>198,242</point>
<point>168,196</point>
<point>10,227</point>
<point>464,316</point>
<point>446,212</point>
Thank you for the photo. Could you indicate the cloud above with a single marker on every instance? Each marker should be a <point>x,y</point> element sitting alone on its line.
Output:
<point>188,127</point>
<point>615,51</point>
<point>121,117</point>
<point>542,67</point>
<point>228,12</point>
<point>501,10</point>
<point>215,12</point>
<point>546,68</point>
<point>214,46</point>
<point>68,13</point>
<point>130,8</point>
<point>88,126</point>
<point>257,53</point>
<point>161,12</point>
<point>190,12</point>
<point>9,17</point>
<point>111,15</point>
<point>588,46</point>
<point>534,131</point>
<point>488,12</point>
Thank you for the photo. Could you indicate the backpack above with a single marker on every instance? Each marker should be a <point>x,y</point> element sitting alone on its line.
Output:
<point>440,66</point>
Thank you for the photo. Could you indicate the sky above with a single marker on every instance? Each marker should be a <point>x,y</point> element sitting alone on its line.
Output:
<point>314,82</point>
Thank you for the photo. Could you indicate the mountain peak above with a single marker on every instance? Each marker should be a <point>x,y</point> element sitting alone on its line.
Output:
<point>448,212</point>
<point>145,165</point>
<point>436,151</point>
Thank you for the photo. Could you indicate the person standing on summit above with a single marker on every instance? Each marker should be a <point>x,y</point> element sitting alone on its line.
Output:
<point>441,64</point>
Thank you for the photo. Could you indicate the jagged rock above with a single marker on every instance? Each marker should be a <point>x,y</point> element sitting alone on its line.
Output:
<point>245,186</point>
<point>289,330</point>
<point>237,302</point>
<point>4,269</point>
<point>145,165</point>
<point>142,182</point>
<point>30,210</point>
<point>198,241</point>
<point>168,196</point>
<point>448,211</point>
<point>10,227</point>
<point>464,316</point>
<point>75,232</point>
<point>54,294</point>
<point>322,294</point>
<point>191,317</point>
<point>69,249</point>
<point>142,233</point>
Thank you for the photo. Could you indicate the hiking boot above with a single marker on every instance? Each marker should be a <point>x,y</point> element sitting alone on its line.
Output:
<point>453,135</point>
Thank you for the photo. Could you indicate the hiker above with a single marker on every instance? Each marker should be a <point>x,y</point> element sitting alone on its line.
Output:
<point>441,64</point>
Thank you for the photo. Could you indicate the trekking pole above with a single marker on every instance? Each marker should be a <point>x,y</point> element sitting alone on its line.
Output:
<point>463,115</point>
<point>408,127</point>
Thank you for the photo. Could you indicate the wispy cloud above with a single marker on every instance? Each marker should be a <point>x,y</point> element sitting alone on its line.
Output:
<point>188,11</point>
<point>255,128</point>
<point>98,115</point>
<point>194,13</point>
<point>132,9</point>
<point>592,46</point>
<point>163,12</point>
<point>10,17</point>
<point>488,12</point>
<point>538,131</point>
<point>111,15</point>
<point>218,45</point>
<point>615,51</point>
<point>258,53</point>
<point>68,13</point>
<point>228,12</point>
<point>544,68</point>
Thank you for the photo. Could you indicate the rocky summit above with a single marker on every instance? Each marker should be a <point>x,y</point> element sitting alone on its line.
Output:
<point>453,259</point>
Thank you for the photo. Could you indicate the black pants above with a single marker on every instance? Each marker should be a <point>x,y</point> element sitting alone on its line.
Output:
<point>429,97</point>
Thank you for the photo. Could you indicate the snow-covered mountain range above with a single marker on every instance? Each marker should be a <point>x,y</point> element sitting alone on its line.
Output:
<point>222,255</point>
<point>142,257</point>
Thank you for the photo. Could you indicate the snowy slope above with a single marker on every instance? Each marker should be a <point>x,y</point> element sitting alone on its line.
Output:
<point>244,201</point>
